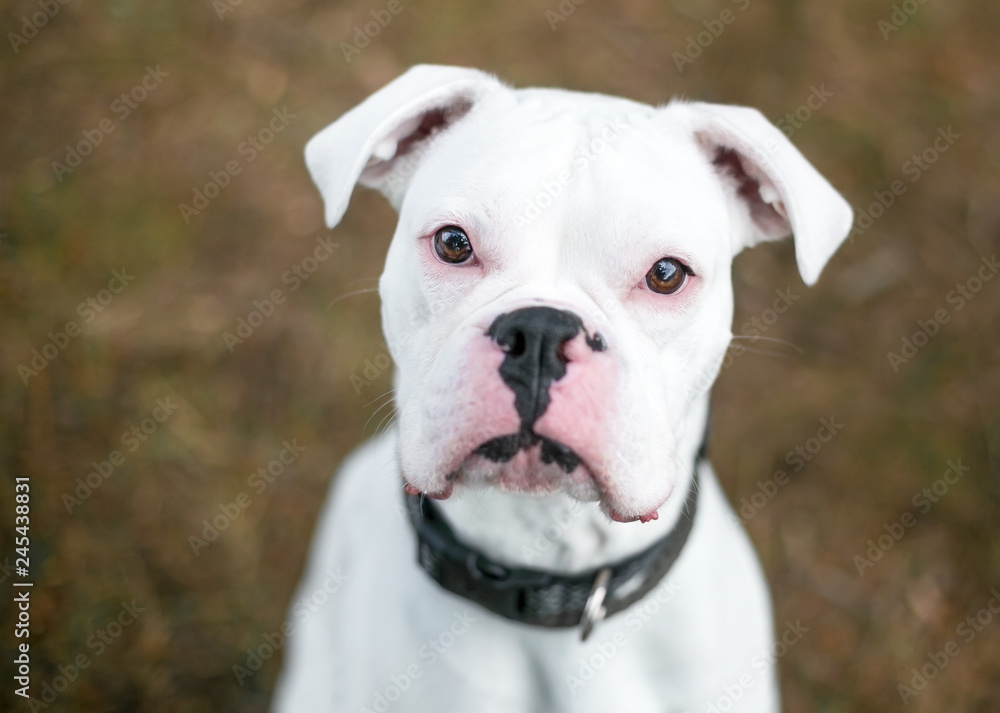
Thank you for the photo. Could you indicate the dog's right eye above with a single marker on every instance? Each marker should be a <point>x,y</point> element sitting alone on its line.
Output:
<point>667,276</point>
<point>452,245</point>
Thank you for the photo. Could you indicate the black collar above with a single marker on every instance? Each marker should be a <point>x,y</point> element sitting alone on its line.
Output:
<point>539,597</point>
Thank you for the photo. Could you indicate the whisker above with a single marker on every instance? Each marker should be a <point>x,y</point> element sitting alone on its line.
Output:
<point>390,391</point>
<point>374,413</point>
<point>762,352</point>
<point>769,339</point>
<point>392,417</point>
<point>351,294</point>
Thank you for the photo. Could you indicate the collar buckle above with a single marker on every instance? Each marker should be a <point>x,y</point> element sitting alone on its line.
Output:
<point>594,610</point>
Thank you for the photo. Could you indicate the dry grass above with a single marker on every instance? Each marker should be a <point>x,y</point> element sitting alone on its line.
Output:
<point>162,336</point>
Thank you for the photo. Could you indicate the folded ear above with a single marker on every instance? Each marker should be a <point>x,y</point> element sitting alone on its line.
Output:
<point>779,190</point>
<point>379,142</point>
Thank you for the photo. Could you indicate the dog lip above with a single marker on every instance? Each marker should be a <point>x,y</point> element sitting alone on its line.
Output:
<point>619,517</point>
<point>503,448</point>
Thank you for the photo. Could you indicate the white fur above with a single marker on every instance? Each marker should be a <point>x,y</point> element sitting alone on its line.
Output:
<point>651,191</point>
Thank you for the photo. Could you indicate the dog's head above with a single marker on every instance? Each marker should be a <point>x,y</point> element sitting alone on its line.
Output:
<point>557,295</point>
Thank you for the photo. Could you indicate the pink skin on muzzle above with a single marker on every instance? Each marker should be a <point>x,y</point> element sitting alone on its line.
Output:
<point>579,416</point>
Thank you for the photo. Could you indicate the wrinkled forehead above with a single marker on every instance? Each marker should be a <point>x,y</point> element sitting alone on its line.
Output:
<point>537,156</point>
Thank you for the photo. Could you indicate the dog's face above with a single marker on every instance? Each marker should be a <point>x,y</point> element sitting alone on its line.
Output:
<point>557,295</point>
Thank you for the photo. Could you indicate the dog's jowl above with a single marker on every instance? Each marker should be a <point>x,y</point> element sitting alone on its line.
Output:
<point>556,300</point>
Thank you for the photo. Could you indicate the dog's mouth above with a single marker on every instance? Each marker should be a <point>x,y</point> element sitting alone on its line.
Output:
<point>503,449</point>
<point>526,462</point>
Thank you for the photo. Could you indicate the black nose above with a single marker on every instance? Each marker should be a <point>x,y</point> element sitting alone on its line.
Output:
<point>533,339</point>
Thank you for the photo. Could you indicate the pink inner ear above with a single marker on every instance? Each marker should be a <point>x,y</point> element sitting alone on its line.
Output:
<point>429,123</point>
<point>409,136</point>
<point>432,121</point>
<point>769,217</point>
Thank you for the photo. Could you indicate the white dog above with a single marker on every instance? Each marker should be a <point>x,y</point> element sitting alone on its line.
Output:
<point>557,300</point>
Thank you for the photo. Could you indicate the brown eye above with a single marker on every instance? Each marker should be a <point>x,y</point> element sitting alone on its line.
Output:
<point>452,245</point>
<point>667,276</point>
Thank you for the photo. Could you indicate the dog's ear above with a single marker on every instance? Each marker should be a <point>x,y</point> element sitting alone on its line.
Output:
<point>778,190</point>
<point>380,142</point>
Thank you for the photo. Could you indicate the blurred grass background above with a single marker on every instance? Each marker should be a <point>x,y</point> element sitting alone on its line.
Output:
<point>162,335</point>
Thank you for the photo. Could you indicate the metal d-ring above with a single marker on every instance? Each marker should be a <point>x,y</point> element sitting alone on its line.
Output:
<point>594,610</point>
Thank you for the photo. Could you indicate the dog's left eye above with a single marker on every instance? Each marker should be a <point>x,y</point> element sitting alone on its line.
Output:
<point>452,245</point>
<point>667,276</point>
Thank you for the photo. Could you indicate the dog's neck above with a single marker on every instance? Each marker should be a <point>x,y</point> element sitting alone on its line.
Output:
<point>558,533</point>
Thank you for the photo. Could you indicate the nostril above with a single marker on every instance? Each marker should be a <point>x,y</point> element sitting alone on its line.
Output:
<point>596,342</point>
<point>519,345</point>
<point>513,343</point>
